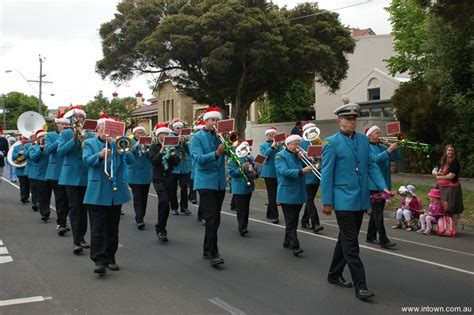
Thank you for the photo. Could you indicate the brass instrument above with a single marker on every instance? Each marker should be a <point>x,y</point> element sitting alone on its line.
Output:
<point>123,144</point>
<point>314,164</point>
<point>312,135</point>
<point>404,143</point>
<point>20,161</point>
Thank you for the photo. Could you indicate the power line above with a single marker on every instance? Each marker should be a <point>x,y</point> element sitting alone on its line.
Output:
<point>336,9</point>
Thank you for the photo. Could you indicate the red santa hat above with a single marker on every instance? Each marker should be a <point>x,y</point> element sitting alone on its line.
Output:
<point>371,130</point>
<point>40,133</point>
<point>292,138</point>
<point>177,124</point>
<point>75,110</point>
<point>201,124</point>
<point>270,130</point>
<point>138,128</point>
<point>103,118</point>
<point>162,128</point>
<point>61,119</point>
<point>308,125</point>
<point>212,112</point>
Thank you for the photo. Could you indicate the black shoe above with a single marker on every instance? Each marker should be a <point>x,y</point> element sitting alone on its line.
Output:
<point>206,255</point>
<point>35,208</point>
<point>141,226</point>
<point>318,228</point>
<point>199,219</point>
<point>175,212</point>
<point>62,230</point>
<point>375,242</point>
<point>305,225</point>
<point>364,294</point>
<point>340,282</point>
<point>77,249</point>
<point>45,219</point>
<point>194,202</point>
<point>297,251</point>
<point>162,237</point>
<point>216,260</point>
<point>286,246</point>
<point>113,267</point>
<point>275,221</point>
<point>388,245</point>
<point>203,222</point>
<point>243,232</point>
<point>84,244</point>
<point>185,212</point>
<point>100,269</point>
<point>24,201</point>
<point>121,213</point>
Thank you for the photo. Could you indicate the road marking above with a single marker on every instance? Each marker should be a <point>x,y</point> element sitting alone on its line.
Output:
<point>1,243</point>
<point>3,251</point>
<point>5,259</point>
<point>120,245</point>
<point>416,243</point>
<point>226,306</point>
<point>25,300</point>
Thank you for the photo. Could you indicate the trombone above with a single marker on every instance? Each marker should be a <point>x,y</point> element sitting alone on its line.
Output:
<point>303,155</point>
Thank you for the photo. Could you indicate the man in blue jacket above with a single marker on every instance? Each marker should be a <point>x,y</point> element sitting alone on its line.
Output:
<point>139,176</point>
<point>291,192</point>
<point>54,170</point>
<point>37,174</point>
<point>210,180</point>
<point>382,155</point>
<point>269,149</point>
<point>21,172</point>
<point>181,173</point>
<point>74,177</point>
<point>346,168</point>
<point>104,197</point>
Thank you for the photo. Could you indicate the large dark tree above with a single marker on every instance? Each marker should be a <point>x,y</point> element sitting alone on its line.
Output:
<point>15,104</point>
<point>225,51</point>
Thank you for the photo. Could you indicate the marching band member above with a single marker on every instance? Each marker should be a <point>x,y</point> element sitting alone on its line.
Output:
<point>382,155</point>
<point>139,177</point>
<point>181,173</point>
<point>37,174</point>
<point>270,149</point>
<point>163,159</point>
<point>310,219</point>
<point>74,177</point>
<point>21,172</point>
<point>346,166</point>
<point>210,180</point>
<point>291,191</point>
<point>28,167</point>
<point>242,192</point>
<point>54,170</point>
<point>193,192</point>
<point>104,197</point>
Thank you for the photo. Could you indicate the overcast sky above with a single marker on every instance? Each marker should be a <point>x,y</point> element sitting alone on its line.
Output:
<point>66,33</point>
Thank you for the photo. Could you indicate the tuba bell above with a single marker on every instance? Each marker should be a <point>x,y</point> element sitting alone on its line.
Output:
<point>20,161</point>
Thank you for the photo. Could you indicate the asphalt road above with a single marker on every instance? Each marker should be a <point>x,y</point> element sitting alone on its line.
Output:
<point>258,277</point>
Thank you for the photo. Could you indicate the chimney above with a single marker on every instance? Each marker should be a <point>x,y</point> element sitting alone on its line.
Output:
<point>115,95</point>
<point>139,97</point>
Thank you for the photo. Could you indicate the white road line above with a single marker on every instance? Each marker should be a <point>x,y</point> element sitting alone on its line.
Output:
<point>120,245</point>
<point>5,259</point>
<point>416,243</point>
<point>1,243</point>
<point>3,251</point>
<point>25,300</point>
<point>226,306</point>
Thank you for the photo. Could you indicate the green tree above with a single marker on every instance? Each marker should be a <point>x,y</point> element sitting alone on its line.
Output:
<point>117,107</point>
<point>225,51</point>
<point>15,104</point>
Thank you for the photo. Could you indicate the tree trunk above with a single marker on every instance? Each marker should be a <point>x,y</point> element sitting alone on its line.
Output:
<point>240,116</point>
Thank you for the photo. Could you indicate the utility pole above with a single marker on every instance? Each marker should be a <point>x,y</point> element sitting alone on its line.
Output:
<point>41,81</point>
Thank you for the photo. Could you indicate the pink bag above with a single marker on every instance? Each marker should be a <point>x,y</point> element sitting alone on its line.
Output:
<point>445,227</point>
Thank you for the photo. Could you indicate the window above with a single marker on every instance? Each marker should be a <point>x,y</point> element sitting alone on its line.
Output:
<point>373,90</point>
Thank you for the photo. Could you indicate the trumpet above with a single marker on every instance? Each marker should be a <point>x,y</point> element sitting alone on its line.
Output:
<point>312,135</point>
<point>404,143</point>
<point>314,164</point>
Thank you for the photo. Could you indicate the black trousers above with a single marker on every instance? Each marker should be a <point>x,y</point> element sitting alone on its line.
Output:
<point>291,213</point>
<point>164,189</point>
<point>211,201</point>
<point>200,212</point>
<point>347,248</point>
<point>34,194</point>
<point>376,223</point>
<point>272,209</point>
<point>140,200</point>
<point>78,212</point>
<point>232,202</point>
<point>61,202</point>
<point>42,189</point>
<point>192,193</point>
<point>242,205</point>
<point>104,221</point>
<point>24,188</point>
<point>310,211</point>
<point>183,181</point>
